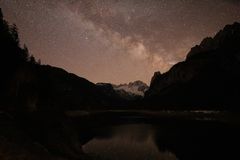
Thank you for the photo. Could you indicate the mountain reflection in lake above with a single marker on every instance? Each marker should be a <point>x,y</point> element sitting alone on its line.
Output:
<point>143,135</point>
<point>130,141</point>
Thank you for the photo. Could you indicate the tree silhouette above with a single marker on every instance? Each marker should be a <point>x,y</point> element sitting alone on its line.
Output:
<point>14,61</point>
<point>14,33</point>
<point>1,15</point>
<point>25,53</point>
<point>32,60</point>
<point>11,52</point>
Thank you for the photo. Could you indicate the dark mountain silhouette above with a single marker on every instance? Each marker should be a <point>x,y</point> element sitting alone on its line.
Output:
<point>208,78</point>
<point>27,85</point>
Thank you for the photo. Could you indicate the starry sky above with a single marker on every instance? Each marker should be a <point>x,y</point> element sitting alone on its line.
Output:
<point>116,41</point>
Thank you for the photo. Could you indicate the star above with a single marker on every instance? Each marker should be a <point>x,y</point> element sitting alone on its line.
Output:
<point>116,41</point>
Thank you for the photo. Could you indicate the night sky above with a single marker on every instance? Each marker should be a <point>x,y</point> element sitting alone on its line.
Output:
<point>116,41</point>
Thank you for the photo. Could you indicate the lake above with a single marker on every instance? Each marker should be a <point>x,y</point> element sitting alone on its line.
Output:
<point>165,135</point>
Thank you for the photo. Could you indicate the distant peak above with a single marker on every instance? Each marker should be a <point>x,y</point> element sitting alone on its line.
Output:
<point>137,87</point>
<point>138,82</point>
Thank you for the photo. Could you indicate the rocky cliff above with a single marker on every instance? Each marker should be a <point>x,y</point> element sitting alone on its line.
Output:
<point>208,78</point>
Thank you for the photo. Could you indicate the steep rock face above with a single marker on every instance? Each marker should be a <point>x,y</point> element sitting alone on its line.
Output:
<point>208,78</point>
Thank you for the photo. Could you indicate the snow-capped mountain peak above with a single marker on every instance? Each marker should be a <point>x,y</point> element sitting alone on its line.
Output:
<point>136,88</point>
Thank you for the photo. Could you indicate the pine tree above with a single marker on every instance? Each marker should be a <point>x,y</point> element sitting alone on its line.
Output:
<point>1,15</point>
<point>25,53</point>
<point>14,33</point>
<point>32,60</point>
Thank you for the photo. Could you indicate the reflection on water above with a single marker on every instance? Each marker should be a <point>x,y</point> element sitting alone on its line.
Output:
<point>144,135</point>
<point>131,141</point>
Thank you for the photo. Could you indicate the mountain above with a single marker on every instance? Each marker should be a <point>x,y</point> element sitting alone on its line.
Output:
<point>209,78</point>
<point>26,85</point>
<point>131,91</point>
<point>135,88</point>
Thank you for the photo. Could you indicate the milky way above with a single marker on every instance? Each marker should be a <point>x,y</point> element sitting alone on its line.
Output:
<point>116,41</point>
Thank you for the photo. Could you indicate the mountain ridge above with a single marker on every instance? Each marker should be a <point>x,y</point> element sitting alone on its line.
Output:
<point>209,77</point>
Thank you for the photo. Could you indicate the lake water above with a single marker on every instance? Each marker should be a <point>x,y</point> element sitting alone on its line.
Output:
<point>130,141</point>
<point>134,135</point>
